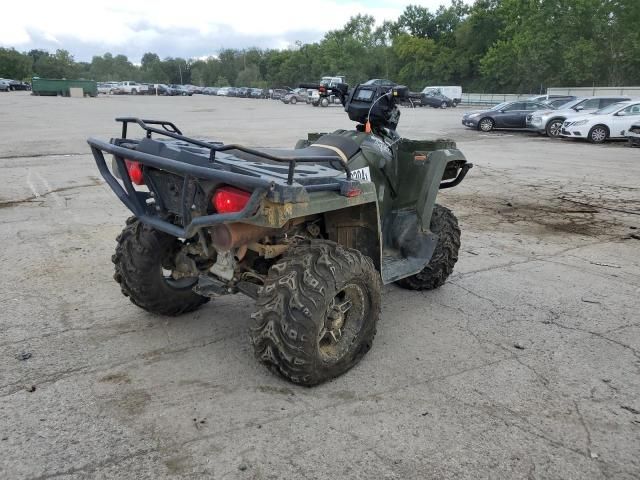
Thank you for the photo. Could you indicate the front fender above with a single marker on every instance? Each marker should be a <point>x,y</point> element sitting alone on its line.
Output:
<point>441,164</point>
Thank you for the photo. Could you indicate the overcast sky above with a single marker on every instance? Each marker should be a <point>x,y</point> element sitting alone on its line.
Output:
<point>179,28</point>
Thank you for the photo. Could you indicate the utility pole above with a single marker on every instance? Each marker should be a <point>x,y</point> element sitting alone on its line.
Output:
<point>180,70</point>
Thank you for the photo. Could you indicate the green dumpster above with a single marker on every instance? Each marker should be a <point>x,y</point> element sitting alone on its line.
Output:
<point>56,86</point>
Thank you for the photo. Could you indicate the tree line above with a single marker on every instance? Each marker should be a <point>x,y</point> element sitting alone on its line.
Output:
<point>520,46</point>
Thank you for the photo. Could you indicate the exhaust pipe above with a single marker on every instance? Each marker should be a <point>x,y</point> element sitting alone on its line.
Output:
<point>232,235</point>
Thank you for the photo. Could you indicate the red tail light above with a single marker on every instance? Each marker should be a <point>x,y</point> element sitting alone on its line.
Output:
<point>230,199</point>
<point>135,172</point>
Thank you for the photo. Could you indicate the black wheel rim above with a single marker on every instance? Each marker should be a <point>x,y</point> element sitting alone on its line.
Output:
<point>344,320</point>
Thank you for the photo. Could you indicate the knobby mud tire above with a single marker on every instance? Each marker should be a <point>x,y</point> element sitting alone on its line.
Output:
<point>444,224</point>
<point>292,310</point>
<point>138,264</point>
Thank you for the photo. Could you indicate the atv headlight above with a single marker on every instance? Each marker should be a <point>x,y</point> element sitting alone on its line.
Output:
<point>579,123</point>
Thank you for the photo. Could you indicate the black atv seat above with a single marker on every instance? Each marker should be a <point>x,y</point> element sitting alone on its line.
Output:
<point>334,147</point>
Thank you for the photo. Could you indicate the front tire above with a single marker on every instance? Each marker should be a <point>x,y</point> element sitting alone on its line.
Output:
<point>444,105</point>
<point>141,255</point>
<point>554,128</point>
<point>598,134</point>
<point>486,125</point>
<point>444,224</point>
<point>324,102</point>
<point>293,100</point>
<point>317,312</point>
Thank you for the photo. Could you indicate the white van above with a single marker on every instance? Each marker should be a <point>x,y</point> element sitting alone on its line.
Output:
<point>452,91</point>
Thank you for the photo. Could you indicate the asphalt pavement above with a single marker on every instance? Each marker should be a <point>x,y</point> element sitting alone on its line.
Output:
<point>525,364</point>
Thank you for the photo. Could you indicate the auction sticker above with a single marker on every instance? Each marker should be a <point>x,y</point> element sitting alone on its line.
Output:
<point>362,174</point>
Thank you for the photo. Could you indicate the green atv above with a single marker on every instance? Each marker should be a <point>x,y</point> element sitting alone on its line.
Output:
<point>310,233</point>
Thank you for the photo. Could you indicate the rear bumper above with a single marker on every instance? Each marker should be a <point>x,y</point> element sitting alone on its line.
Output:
<point>136,201</point>
<point>152,210</point>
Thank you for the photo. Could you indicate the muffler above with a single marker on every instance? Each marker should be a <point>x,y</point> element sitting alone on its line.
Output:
<point>233,235</point>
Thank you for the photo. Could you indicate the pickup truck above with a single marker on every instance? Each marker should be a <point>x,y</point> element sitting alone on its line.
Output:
<point>131,88</point>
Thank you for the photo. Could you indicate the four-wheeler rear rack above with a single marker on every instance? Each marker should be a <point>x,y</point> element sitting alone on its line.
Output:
<point>260,187</point>
<point>170,130</point>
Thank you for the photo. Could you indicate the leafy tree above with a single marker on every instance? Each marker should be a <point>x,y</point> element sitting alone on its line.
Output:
<point>14,65</point>
<point>498,45</point>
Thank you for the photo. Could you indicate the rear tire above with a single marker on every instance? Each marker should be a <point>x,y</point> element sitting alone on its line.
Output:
<point>444,224</point>
<point>444,105</point>
<point>141,254</point>
<point>317,312</point>
<point>324,102</point>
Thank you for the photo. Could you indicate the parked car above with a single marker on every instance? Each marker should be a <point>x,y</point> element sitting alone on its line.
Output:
<point>383,82</point>
<point>546,98</point>
<point>559,101</point>
<point>181,90</point>
<point>242,92</point>
<point>298,95</point>
<point>16,85</point>
<point>278,93</point>
<point>233,92</point>
<point>454,92</point>
<point>4,85</point>
<point>223,92</point>
<point>608,123</point>
<point>503,115</point>
<point>165,90</point>
<point>332,81</point>
<point>633,134</point>
<point>549,120</point>
<point>107,88</point>
<point>130,88</point>
<point>435,100</point>
<point>257,93</point>
<point>194,88</point>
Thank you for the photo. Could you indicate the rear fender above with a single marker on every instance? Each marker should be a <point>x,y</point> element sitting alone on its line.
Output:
<point>357,227</point>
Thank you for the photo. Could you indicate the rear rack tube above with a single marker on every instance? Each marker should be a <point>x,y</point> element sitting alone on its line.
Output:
<point>177,134</point>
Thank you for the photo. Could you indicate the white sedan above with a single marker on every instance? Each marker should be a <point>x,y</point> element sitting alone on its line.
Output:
<point>607,123</point>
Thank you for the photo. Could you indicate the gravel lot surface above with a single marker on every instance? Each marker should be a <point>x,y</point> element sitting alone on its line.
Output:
<point>526,364</point>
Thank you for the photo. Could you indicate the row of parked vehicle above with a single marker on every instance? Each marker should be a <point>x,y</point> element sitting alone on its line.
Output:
<point>136,88</point>
<point>240,92</point>
<point>596,119</point>
<point>9,85</point>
